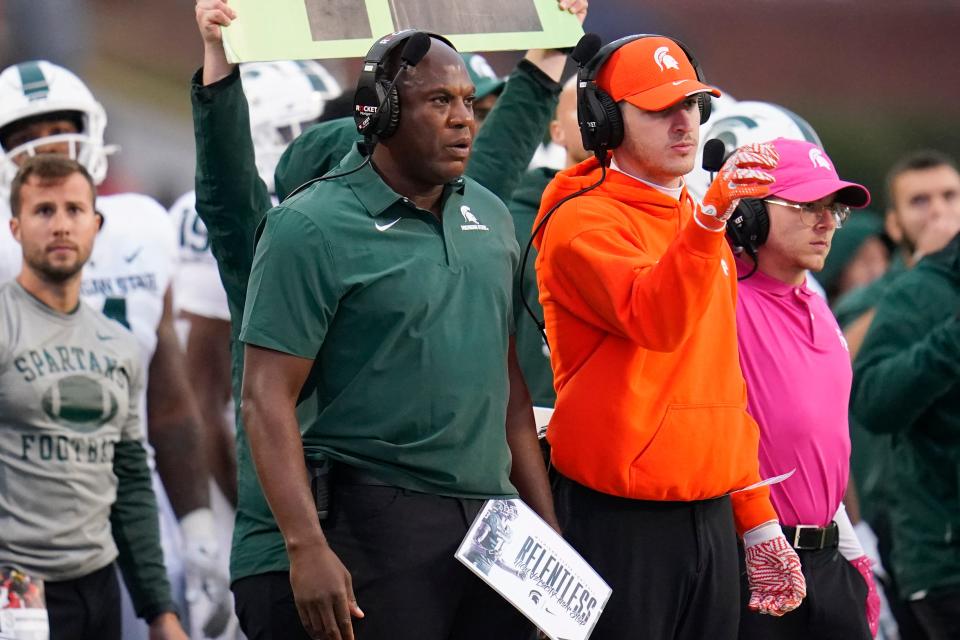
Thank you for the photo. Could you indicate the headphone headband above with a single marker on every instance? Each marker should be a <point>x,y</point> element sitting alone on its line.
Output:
<point>374,112</point>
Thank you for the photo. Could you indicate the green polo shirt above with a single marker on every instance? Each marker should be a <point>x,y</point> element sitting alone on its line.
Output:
<point>408,320</point>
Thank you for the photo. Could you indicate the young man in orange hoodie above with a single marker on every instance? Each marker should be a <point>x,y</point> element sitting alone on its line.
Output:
<point>650,436</point>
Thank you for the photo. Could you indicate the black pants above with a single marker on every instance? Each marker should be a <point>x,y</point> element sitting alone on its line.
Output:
<point>834,609</point>
<point>398,546</point>
<point>939,615</point>
<point>672,565</point>
<point>86,608</point>
<point>907,622</point>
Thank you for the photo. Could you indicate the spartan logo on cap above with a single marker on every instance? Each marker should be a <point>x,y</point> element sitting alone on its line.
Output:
<point>482,68</point>
<point>664,60</point>
<point>817,159</point>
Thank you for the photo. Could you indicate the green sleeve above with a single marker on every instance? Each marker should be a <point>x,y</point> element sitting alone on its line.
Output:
<point>315,152</point>
<point>136,532</point>
<point>513,130</point>
<point>284,313</point>
<point>910,357</point>
<point>134,517</point>
<point>532,354</point>
<point>231,197</point>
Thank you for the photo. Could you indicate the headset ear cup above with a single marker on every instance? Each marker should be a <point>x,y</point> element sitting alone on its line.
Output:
<point>613,118</point>
<point>390,119</point>
<point>706,106</point>
<point>762,221</point>
<point>736,225</point>
<point>749,225</point>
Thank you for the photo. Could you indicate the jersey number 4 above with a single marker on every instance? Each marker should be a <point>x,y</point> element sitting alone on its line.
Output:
<point>116,309</point>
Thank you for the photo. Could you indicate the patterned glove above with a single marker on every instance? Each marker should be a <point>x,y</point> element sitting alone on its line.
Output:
<point>743,175</point>
<point>774,574</point>
<point>863,565</point>
<point>206,576</point>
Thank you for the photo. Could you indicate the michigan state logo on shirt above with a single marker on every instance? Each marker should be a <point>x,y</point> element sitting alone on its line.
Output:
<point>471,223</point>
<point>80,403</point>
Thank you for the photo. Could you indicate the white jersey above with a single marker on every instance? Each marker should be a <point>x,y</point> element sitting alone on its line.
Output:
<point>132,265</point>
<point>197,287</point>
<point>11,257</point>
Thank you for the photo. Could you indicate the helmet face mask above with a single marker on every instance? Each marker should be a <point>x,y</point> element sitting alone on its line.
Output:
<point>284,99</point>
<point>39,90</point>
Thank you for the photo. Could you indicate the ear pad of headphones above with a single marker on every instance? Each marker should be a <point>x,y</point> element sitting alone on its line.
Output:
<point>613,118</point>
<point>390,118</point>
<point>749,225</point>
<point>601,124</point>
<point>706,106</point>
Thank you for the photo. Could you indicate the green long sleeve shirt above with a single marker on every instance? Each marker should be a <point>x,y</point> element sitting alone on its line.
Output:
<point>906,384</point>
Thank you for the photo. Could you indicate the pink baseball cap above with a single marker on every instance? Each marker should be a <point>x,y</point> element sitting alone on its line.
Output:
<point>805,173</point>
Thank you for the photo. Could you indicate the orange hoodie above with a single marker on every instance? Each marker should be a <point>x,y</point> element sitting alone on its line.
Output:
<point>639,303</point>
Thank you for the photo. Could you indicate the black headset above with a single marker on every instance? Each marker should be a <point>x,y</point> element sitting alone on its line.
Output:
<point>376,103</point>
<point>601,123</point>
<point>374,88</point>
<point>749,225</point>
<point>748,228</point>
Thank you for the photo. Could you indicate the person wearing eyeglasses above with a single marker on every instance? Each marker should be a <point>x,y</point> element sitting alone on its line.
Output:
<point>798,372</point>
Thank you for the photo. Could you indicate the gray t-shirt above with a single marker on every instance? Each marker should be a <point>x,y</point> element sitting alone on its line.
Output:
<point>69,385</point>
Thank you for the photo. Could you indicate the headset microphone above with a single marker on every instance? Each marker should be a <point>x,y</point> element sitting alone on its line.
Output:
<point>749,224</point>
<point>586,48</point>
<point>415,49</point>
<point>713,156</point>
<point>413,52</point>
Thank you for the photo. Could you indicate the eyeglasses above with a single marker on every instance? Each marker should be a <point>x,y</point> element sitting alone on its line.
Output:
<point>812,213</point>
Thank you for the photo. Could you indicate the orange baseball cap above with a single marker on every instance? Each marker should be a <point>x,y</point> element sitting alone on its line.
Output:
<point>651,73</point>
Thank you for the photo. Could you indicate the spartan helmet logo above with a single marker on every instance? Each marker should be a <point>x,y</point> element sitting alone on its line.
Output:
<point>817,159</point>
<point>664,60</point>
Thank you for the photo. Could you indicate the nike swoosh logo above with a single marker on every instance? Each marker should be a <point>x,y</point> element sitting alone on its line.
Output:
<point>676,82</point>
<point>133,255</point>
<point>384,227</point>
<point>103,337</point>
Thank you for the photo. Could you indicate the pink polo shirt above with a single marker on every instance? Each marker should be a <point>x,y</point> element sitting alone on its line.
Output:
<point>797,367</point>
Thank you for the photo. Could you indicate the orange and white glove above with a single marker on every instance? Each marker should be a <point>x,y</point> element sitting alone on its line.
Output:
<point>774,575</point>
<point>743,175</point>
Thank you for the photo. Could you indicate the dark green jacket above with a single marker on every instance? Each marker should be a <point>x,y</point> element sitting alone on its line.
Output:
<point>906,385</point>
<point>853,304</point>
<point>531,351</point>
<point>231,201</point>
<point>870,452</point>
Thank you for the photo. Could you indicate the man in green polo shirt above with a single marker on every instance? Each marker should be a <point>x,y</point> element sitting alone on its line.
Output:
<point>384,297</point>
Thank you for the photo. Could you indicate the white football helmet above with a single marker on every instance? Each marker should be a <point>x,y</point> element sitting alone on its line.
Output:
<point>31,89</point>
<point>285,98</point>
<point>743,123</point>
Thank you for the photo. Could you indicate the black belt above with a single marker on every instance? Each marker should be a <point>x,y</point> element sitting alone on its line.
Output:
<point>808,537</point>
<point>346,474</point>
